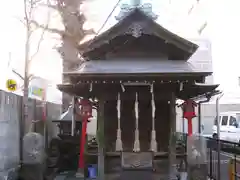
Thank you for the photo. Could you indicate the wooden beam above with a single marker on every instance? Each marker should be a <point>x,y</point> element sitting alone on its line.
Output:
<point>172,138</point>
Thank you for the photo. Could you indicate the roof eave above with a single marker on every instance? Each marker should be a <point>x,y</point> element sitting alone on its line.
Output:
<point>160,31</point>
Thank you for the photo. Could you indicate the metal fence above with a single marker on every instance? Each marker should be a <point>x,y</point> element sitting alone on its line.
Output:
<point>223,159</point>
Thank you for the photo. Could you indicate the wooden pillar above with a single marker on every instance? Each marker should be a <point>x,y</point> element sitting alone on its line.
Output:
<point>172,138</point>
<point>73,125</point>
<point>100,138</point>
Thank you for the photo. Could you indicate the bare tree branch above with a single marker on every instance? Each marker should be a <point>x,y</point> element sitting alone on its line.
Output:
<point>42,35</point>
<point>20,20</point>
<point>26,15</point>
<point>38,46</point>
<point>54,7</point>
<point>204,25</point>
<point>18,74</point>
<point>14,71</point>
<point>52,30</point>
<point>30,77</point>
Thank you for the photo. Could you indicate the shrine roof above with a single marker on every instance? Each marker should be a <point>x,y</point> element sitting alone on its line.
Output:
<point>134,23</point>
<point>197,89</point>
<point>124,67</point>
<point>66,116</point>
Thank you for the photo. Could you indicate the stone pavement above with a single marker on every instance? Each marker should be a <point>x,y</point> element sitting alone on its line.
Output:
<point>69,176</point>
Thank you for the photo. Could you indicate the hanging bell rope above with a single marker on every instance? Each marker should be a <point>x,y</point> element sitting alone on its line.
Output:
<point>119,140</point>
<point>136,142</point>
<point>153,134</point>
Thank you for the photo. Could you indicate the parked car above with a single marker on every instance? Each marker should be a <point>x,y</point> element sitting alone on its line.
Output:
<point>229,123</point>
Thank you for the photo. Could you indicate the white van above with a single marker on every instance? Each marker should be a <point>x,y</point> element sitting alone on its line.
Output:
<point>229,126</point>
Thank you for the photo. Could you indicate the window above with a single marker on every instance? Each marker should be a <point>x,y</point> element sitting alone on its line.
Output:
<point>224,120</point>
<point>215,120</point>
<point>238,118</point>
<point>232,121</point>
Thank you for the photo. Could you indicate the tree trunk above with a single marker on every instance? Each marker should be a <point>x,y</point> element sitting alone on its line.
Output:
<point>25,91</point>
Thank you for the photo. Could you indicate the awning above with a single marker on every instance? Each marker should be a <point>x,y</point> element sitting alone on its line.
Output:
<point>144,66</point>
<point>197,89</point>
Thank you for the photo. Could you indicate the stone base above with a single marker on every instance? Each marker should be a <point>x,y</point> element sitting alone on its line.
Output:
<point>79,173</point>
<point>136,174</point>
<point>32,171</point>
<point>198,171</point>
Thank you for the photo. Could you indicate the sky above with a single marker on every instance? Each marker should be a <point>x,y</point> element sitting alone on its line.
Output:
<point>12,36</point>
<point>223,31</point>
<point>172,14</point>
<point>47,63</point>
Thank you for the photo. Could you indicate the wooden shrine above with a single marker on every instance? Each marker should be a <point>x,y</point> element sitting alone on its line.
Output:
<point>136,70</point>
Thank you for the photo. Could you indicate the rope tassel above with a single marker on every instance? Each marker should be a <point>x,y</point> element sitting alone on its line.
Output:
<point>119,139</point>
<point>153,145</point>
<point>136,142</point>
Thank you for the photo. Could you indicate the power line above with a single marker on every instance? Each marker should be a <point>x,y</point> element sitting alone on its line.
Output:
<point>204,25</point>
<point>105,22</point>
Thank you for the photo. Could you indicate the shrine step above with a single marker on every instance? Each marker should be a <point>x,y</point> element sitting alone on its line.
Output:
<point>118,176</point>
<point>136,174</point>
<point>112,176</point>
<point>70,175</point>
<point>157,176</point>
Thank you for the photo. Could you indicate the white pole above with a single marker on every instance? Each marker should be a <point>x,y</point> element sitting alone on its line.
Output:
<point>218,136</point>
<point>217,113</point>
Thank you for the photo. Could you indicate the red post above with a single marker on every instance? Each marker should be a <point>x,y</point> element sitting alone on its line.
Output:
<point>82,143</point>
<point>190,126</point>
<point>86,113</point>
<point>188,108</point>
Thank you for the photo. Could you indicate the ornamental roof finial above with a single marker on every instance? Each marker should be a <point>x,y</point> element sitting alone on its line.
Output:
<point>128,8</point>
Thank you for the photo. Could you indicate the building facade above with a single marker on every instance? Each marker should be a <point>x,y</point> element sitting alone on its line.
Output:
<point>215,21</point>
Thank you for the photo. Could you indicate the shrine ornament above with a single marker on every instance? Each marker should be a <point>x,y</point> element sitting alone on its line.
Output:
<point>188,108</point>
<point>85,108</point>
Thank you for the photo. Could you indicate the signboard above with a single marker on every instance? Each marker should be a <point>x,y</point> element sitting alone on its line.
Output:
<point>11,85</point>
<point>132,160</point>
<point>36,91</point>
